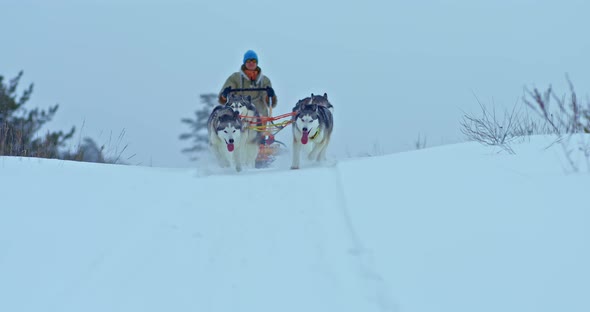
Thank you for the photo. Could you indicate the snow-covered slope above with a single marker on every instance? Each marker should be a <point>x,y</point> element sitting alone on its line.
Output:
<point>454,228</point>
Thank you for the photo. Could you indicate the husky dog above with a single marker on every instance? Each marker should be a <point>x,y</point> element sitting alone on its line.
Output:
<point>315,99</point>
<point>312,121</point>
<point>250,119</point>
<point>225,136</point>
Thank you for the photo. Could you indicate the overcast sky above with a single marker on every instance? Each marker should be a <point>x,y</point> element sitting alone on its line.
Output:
<point>394,70</point>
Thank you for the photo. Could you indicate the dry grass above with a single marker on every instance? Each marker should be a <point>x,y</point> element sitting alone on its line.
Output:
<point>565,120</point>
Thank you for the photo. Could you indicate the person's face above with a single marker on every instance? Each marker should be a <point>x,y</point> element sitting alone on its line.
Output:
<point>251,64</point>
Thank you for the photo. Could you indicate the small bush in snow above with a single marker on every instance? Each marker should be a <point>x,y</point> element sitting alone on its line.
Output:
<point>492,129</point>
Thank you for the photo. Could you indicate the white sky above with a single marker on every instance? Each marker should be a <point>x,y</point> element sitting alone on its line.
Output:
<point>456,228</point>
<point>395,70</point>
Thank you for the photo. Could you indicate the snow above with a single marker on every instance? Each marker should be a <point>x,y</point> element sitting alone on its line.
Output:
<point>459,227</point>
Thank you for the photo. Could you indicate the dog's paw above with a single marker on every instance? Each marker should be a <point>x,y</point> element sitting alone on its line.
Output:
<point>313,155</point>
<point>294,167</point>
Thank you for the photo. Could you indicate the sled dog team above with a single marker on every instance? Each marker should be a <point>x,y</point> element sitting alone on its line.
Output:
<point>232,140</point>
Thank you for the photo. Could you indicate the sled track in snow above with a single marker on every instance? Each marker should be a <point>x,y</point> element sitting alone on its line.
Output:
<point>377,289</point>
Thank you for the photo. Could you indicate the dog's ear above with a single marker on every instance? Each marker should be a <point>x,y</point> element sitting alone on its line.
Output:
<point>326,95</point>
<point>249,98</point>
<point>298,106</point>
<point>215,110</point>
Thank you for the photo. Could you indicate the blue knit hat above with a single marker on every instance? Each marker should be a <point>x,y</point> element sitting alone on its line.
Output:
<point>250,55</point>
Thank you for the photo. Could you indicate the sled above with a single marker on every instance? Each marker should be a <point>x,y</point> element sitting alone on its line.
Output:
<point>270,148</point>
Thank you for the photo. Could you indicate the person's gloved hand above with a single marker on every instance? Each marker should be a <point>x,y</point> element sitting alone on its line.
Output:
<point>274,101</point>
<point>270,92</point>
<point>226,92</point>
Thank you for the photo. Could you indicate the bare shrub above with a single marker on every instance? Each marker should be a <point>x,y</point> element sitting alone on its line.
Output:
<point>491,129</point>
<point>566,120</point>
<point>569,117</point>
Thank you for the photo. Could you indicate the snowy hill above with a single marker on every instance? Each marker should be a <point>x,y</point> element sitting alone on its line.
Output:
<point>454,228</point>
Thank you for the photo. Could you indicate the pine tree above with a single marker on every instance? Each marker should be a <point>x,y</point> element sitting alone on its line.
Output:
<point>19,129</point>
<point>198,127</point>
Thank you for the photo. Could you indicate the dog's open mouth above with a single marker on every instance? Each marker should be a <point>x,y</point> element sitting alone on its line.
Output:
<point>230,147</point>
<point>304,137</point>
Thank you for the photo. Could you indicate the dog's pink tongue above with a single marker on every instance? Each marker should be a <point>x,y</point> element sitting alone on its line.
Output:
<point>304,137</point>
<point>230,147</point>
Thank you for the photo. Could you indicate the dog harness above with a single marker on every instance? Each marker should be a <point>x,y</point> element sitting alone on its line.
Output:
<point>315,134</point>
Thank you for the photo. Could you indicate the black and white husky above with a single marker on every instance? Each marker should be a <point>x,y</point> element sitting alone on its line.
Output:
<point>225,136</point>
<point>250,119</point>
<point>312,121</point>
